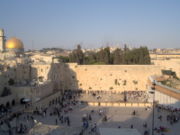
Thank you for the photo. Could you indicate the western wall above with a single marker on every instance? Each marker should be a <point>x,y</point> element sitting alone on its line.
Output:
<point>96,77</point>
<point>114,78</point>
<point>63,76</point>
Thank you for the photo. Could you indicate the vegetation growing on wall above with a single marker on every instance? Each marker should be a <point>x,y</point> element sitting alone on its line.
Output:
<point>124,82</point>
<point>63,59</point>
<point>170,73</point>
<point>135,82</point>
<point>116,82</point>
<point>172,82</point>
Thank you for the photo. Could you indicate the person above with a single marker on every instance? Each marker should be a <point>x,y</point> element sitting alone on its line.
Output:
<point>68,121</point>
<point>61,118</point>
<point>134,113</point>
<point>100,112</point>
<point>160,117</point>
<point>90,117</point>
<point>81,133</point>
<point>10,132</point>
<point>146,132</point>
<point>145,125</point>
<point>95,127</point>
<point>56,121</point>
<point>131,126</point>
<point>92,111</point>
<point>105,118</point>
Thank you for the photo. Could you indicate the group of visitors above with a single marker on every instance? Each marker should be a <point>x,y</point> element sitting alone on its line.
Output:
<point>60,109</point>
<point>135,96</point>
<point>4,111</point>
<point>167,108</point>
<point>173,115</point>
<point>20,123</point>
<point>126,96</point>
<point>87,121</point>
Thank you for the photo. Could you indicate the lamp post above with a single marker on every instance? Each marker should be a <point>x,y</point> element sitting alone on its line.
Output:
<point>153,88</point>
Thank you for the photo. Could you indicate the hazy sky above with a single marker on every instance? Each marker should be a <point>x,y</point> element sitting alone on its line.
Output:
<point>93,23</point>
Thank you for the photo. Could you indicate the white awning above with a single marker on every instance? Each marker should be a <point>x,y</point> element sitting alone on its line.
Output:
<point>26,100</point>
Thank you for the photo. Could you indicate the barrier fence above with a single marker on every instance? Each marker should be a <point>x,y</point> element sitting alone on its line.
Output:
<point>119,104</point>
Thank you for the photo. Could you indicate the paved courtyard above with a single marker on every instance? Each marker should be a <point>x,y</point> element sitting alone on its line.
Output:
<point>116,117</point>
<point>72,117</point>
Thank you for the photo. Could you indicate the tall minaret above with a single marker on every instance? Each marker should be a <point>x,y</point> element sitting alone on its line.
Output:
<point>2,40</point>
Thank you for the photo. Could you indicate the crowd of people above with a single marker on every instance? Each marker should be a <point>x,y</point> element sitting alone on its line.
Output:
<point>167,108</point>
<point>101,96</point>
<point>108,96</point>
<point>20,126</point>
<point>61,109</point>
<point>135,96</point>
<point>3,111</point>
<point>173,115</point>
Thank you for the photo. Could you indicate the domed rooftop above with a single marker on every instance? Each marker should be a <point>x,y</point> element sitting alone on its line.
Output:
<point>14,43</point>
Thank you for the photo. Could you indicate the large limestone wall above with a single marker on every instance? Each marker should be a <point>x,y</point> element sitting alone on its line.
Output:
<point>40,70</point>
<point>19,73</point>
<point>59,73</point>
<point>113,77</point>
<point>34,93</point>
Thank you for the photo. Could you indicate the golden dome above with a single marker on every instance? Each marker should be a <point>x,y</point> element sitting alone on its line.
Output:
<point>14,43</point>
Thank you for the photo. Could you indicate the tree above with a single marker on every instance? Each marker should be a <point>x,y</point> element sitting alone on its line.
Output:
<point>72,57</point>
<point>125,56</point>
<point>80,55</point>
<point>77,55</point>
<point>63,59</point>
<point>90,58</point>
<point>117,56</point>
<point>104,55</point>
<point>137,56</point>
<point>107,55</point>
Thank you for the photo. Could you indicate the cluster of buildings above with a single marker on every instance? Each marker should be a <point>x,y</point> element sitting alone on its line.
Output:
<point>23,75</point>
<point>36,75</point>
<point>166,51</point>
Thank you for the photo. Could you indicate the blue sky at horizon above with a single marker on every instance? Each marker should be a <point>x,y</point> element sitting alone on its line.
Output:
<point>92,23</point>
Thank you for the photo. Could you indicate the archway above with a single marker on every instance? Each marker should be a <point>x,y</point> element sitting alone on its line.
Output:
<point>50,102</point>
<point>56,100</point>
<point>7,104</point>
<point>13,102</point>
<point>53,101</point>
<point>1,107</point>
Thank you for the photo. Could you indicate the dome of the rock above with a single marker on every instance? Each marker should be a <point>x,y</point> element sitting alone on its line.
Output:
<point>14,44</point>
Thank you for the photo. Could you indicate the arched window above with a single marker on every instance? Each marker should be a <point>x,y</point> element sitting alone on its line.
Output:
<point>7,104</point>
<point>13,102</point>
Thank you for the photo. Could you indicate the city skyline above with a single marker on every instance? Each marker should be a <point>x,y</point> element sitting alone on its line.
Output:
<point>64,24</point>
